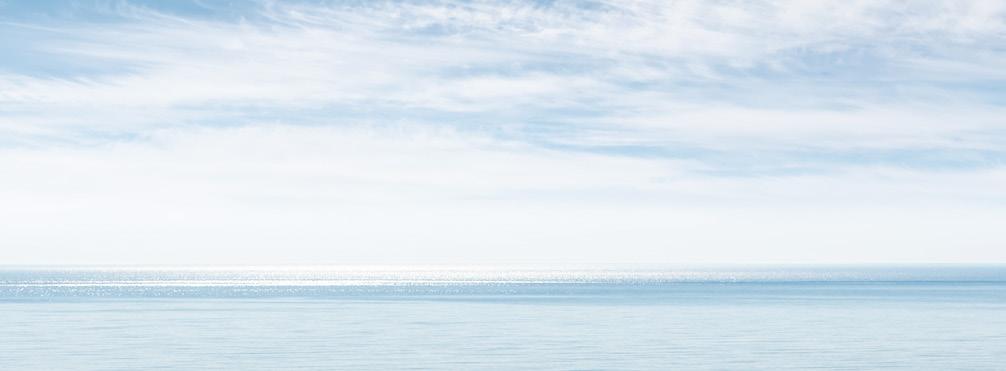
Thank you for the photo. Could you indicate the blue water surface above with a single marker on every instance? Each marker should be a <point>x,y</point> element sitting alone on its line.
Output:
<point>287,318</point>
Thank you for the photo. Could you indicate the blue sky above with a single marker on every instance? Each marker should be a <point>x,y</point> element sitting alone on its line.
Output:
<point>480,132</point>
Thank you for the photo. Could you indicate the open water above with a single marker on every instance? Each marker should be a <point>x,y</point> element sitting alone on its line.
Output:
<point>505,318</point>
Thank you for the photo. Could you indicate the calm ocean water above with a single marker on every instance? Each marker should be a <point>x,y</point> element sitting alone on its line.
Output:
<point>828,317</point>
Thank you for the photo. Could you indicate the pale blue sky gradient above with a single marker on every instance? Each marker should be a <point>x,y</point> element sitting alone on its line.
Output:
<point>483,132</point>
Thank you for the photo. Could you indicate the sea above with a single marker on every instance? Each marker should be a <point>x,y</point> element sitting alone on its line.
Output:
<point>764,317</point>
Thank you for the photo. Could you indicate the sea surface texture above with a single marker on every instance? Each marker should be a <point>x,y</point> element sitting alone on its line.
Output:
<point>505,318</point>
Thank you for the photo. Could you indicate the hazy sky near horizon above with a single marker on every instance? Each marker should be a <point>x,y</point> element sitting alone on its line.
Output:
<point>402,132</point>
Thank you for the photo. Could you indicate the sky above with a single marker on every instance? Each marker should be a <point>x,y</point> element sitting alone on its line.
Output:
<point>471,132</point>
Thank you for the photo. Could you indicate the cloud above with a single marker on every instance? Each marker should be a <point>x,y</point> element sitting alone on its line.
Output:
<point>458,56</point>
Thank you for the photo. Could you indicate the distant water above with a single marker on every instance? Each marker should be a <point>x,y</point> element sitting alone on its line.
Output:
<point>461,318</point>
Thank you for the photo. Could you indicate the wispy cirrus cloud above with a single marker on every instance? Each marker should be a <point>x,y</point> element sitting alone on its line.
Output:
<point>619,57</point>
